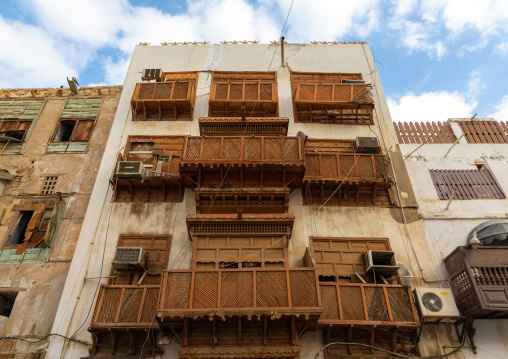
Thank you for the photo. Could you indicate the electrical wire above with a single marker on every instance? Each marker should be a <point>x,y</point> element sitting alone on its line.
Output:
<point>44,338</point>
<point>281,33</point>
<point>393,353</point>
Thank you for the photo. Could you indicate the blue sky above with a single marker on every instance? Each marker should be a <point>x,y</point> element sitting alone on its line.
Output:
<point>436,58</point>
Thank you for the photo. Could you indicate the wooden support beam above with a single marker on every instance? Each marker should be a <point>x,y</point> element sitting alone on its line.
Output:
<point>239,330</point>
<point>371,341</point>
<point>176,335</point>
<point>132,338</point>
<point>394,340</point>
<point>113,341</point>
<point>349,340</point>
<point>265,329</point>
<point>294,337</point>
<point>185,332</point>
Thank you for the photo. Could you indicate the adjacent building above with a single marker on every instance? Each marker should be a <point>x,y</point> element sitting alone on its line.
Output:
<point>51,145</point>
<point>459,172</point>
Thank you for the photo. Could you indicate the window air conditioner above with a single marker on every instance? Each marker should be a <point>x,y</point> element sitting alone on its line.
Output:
<point>130,258</point>
<point>367,145</point>
<point>130,169</point>
<point>381,262</point>
<point>436,304</point>
<point>152,74</point>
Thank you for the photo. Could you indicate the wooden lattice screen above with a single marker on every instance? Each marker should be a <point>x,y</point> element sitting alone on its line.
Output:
<point>243,94</point>
<point>339,166</point>
<point>422,132</point>
<point>348,303</point>
<point>479,279</point>
<point>344,256</point>
<point>227,126</point>
<point>214,252</point>
<point>240,148</point>
<point>127,306</point>
<point>466,184</point>
<point>485,131</point>
<point>231,291</point>
<point>170,100</point>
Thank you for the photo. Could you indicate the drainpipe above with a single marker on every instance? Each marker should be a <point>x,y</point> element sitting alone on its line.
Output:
<point>282,51</point>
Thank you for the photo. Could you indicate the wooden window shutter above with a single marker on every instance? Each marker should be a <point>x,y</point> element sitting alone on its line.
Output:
<point>82,131</point>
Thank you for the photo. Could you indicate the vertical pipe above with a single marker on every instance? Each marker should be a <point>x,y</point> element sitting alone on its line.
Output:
<point>282,51</point>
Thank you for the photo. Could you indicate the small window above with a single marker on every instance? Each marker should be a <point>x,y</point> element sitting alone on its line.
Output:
<point>65,131</point>
<point>466,184</point>
<point>7,303</point>
<point>49,185</point>
<point>18,235</point>
<point>73,131</point>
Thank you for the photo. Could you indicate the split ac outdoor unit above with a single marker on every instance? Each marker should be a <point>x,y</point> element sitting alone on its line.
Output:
<point>152,74</point>
<point>130,258</point>
<point>130,169</point>
<point>381,262</point>
<point>367,145</point>
<point>436,305</point>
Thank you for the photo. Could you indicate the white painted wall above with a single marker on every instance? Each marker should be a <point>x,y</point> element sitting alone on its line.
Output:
<point>105,221</point>
<point>445,230</point>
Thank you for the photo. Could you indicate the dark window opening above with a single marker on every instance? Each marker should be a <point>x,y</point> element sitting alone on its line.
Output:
<point>18,235</point>
<point>251,265</point>
<point>327,278</point>
<point>65,131</point>
<point>15,134</point>
<point>228,265</point>
<point>6,304</point>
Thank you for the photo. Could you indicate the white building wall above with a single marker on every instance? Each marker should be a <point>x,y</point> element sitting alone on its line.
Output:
<point>106,221</point>
<point>446,229</point>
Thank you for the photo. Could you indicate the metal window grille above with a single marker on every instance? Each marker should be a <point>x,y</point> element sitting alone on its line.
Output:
<point>49,185</point>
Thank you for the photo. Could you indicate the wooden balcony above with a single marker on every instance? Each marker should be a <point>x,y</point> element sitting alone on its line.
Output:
<point>480,280</point>
<point>169,100</point>
<point>333,103</point>
<point>161,158</point>
<point>352,167</point>
<point>357,304</point>
<point>227,126</point>
<point>239,292</point>
<point>250,200</point>
<point>125,307</point>
<point>237,99</point>
<point>242,150</point>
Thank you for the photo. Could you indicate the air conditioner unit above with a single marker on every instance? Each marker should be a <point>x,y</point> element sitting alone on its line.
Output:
<point>152,74</point>
<point>130,258</point>
<point>367,145</point>
<point>381,262</point>
<point>436,305</point>
<point>130,169</point>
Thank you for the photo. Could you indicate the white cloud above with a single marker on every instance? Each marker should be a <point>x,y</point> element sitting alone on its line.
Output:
<point>430,106</point>
<point>501,113</point>
<point>32,58</point>
<point>475,84</point>
<point>421,24</point>
<point>330,19</point>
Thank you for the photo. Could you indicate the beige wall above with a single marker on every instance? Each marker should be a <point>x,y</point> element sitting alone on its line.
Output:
<point>41,283</point>
<point>158,218</point>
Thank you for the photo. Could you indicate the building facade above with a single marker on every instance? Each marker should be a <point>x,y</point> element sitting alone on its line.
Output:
<point>458,170</point>
<point>252,203</point>
<point>51,145</point>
